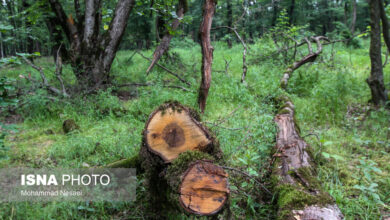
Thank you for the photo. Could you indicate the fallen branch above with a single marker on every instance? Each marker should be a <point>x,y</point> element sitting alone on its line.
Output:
<point>166,69</point>
<point>248,176</point>
<point>311,57</point>
<point>153,84</point>
<point>43,77</point>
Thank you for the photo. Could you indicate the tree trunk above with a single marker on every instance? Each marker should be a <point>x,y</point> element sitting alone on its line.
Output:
<point>291,12</point>
<point>299,193</point>
<point>229,18</point>
<point>385,24</point>
<point>375,81</point>
<point>1,46</point>
<point>353,21</point>
<point>91,54</point>
<point>207,52</point>
<point>177,154</point>
<point>164,44</point>
<point>275,11</point>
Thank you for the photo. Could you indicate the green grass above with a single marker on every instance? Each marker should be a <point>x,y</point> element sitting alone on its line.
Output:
<point>330,97</point>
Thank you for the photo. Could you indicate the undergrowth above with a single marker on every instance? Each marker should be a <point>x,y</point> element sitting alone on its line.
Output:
<point>349,137</point>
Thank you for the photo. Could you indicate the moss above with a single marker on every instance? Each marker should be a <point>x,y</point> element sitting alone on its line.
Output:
<point>291,197</point>
<point>181,164</point>
<point>284,111</point>
<point>69,125</point>
<point>133,162</point>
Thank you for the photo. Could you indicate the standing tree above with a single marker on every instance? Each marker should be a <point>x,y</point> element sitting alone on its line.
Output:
<point>91,53</point>
<point>207,51</point>
<point>375,81</point>
<point>164,45</point>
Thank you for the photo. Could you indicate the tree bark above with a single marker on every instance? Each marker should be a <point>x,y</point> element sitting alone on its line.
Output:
<point>375,81</point>
<point>299,193</point>
<point>91,54</point>
<point>207,51</point>
<point>385,24</point>
<point>230,21</point>
<point>353,21</point>
<point>291,12</point>
<point>164,44</point>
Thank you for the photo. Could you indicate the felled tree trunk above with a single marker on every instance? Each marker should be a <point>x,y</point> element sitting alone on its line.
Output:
<point>207,52</point>
<point>299,193</point>
<point>177,154</point>
<point>164,44</point>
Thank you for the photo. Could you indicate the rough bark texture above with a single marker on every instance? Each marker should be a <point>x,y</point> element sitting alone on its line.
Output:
<point>353,21</point>
<point>177,155</point>
<point>207,51</point>
<point>91,53</point>
<point>164,44</point>
<point>385,24</point>
<point>291,12</point>
<point>299,193</point>
<point>375,81</point>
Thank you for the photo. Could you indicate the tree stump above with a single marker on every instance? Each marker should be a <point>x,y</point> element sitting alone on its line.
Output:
<point>173,129</point>
<point>178,155</point>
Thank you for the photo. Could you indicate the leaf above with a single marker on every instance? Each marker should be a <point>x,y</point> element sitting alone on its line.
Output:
<point>105,27</point>
<point>337,157</point>
<point>326,155</point>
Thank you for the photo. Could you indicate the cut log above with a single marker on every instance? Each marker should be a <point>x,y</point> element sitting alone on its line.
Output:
<point>173,129</point>
<point>192,184</point>
<point>177,155</point>
<point>204,189</point>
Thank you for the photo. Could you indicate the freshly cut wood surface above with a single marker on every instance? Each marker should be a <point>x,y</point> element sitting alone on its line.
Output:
<point>173,131</point>
<point>204,189</point>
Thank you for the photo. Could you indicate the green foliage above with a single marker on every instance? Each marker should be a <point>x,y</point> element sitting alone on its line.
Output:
<point>6,102</point>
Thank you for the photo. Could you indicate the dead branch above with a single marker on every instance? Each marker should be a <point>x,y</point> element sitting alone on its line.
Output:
<point>166,69</point>
<point>153,84</point>
<point>43,77</point>
<point>58,72</point>
<point>308,58</point>
<point>248,176</point>
<point>281,50</point>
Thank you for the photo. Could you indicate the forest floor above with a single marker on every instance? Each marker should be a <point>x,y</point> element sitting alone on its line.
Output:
<point>350,138</point>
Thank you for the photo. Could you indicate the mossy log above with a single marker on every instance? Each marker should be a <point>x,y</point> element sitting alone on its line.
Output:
<point>294,176</point>
<point>299,193</point>
<point>173,129</point>
<point>192,184</point>
<point>179,156</point>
